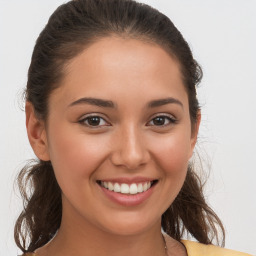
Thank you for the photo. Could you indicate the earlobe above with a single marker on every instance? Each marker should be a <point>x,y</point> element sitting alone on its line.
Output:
<point>36,133</point>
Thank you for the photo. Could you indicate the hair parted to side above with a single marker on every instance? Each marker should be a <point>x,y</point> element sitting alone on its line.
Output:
<point>73,27</point>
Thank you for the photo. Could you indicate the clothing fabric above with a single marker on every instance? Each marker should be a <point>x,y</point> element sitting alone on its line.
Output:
<point>198,249</point>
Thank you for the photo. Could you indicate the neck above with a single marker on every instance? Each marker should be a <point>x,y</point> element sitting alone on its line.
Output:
<point>81,238</point>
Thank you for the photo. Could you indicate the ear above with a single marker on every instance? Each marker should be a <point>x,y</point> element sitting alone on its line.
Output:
<point>194,132</point>
<point>36,133</point>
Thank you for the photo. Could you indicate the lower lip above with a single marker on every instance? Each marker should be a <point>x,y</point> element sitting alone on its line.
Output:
<point>128,199</point>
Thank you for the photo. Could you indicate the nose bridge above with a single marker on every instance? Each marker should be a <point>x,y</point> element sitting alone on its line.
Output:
<point>131,150</point>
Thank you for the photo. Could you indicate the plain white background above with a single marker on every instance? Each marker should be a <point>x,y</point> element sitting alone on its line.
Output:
<point>221,34</point>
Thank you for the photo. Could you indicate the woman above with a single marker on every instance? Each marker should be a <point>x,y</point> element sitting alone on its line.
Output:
<point>112,115</point>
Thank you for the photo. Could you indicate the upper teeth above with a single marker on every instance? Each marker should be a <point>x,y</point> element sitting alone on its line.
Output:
<point>126,188</point>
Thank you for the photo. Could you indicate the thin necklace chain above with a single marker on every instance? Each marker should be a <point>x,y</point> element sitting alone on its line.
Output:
<point>165,245</point>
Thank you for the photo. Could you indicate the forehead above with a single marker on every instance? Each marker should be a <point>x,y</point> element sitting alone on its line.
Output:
<point>115,67</point>
<point>119,53</point>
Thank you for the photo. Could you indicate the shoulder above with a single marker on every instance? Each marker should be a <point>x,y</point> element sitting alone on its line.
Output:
<point>29,254</point>
<point>198,249</point>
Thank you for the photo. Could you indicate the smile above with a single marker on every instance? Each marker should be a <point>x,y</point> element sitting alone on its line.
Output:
<point>125,188</point>
<point>128,191</point>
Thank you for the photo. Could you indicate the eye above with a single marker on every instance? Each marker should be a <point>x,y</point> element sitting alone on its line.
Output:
<point>94,121</point>
<point>161,120</point>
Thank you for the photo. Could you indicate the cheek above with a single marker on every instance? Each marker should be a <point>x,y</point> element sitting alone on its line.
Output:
<point>172,154</point>
<point>75,155</point>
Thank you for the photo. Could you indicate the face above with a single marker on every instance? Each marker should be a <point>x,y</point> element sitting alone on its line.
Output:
<point>120,119</point>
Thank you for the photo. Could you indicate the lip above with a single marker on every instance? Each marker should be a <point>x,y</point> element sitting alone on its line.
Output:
<point>128,199</point>
<point>129,180</point>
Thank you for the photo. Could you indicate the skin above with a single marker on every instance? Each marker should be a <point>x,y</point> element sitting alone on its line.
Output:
<point>127,142</point>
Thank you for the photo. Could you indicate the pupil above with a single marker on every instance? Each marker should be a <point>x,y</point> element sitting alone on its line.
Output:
<point>94,121</point>
<point>159,121</point>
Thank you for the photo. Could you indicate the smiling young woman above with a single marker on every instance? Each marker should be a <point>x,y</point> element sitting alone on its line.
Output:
<point>112,115</point>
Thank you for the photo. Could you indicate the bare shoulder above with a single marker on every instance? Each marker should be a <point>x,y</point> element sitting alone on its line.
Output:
<point>198,249</point>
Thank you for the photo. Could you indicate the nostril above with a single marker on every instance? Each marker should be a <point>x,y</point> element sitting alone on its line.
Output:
<point>131,156</point>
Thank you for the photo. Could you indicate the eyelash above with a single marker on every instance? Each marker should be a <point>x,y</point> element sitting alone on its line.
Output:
<point>171,120</point>
<point>84,121</point>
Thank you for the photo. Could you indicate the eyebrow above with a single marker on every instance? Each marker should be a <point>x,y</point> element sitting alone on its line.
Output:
<point>110,104</point>
<point>94,102</point>
<point>161,102</point>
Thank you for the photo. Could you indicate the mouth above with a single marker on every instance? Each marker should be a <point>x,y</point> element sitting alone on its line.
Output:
<point>128,189</point>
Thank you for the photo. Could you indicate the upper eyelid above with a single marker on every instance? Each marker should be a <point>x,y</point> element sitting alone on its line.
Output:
<point>95,114</point>
<point>103,116</point>
<point>164,115</point>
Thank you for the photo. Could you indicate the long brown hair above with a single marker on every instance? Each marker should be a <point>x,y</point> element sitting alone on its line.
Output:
<point>70,29</point>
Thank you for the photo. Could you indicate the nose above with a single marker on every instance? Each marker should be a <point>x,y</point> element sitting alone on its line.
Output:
<point>129,149</point>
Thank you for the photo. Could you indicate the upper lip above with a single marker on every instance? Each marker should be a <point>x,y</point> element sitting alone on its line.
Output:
<point>128,180</point>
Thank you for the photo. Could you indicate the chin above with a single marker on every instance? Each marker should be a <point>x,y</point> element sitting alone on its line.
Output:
<point>130,224</point>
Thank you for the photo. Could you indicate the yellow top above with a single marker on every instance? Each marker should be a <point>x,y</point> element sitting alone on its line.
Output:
<point>198,249</point>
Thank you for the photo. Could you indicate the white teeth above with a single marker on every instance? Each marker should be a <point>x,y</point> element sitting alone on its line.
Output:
<point>140,188</point>
<point>117,187</point>
<point>133,189</point>
<point>124,188</point>
<point>110,186</point>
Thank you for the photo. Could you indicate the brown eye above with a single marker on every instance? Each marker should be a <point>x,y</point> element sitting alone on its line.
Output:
<point>93,121</point>
<point>161,121</point>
